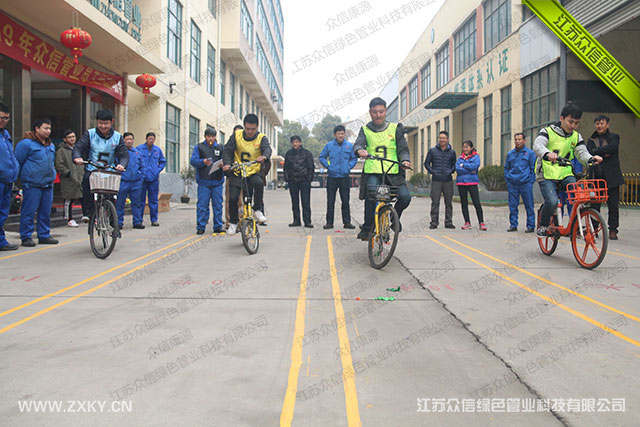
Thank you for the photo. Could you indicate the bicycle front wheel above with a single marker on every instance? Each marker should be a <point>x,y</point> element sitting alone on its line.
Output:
<point>103,229</point>
<point>590,252</point>
<point>383,242</point>
<point>547,244</point>
<point>250,235</point>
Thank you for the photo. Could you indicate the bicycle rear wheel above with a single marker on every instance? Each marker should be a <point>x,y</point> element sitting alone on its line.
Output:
<point>250,235</point>
<point>596,239</point>
<point>103,229</point>
<point>547,244</point>
<point>382,243</point>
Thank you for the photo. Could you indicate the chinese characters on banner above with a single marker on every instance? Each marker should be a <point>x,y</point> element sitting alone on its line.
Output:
<point>22,45</point>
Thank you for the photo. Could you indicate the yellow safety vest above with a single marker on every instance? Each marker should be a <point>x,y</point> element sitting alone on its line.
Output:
<point>564,146</point>
<point>381,144</point>
<point>247,151</point>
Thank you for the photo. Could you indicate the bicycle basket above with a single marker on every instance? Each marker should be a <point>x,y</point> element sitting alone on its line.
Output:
<point>383,193</point>
<point>587,190</point>
<point>104,182</point>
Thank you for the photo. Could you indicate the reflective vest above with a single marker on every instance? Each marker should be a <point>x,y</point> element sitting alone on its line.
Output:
<point>564,146</point>
<point>247,151</point>
<point>103,149</point>
<point>381,144</point>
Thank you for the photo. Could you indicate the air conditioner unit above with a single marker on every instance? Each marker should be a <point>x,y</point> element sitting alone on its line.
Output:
<point>279,107</point>
<point>274,97</point>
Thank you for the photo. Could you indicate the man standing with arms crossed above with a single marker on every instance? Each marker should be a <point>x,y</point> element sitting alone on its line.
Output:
<point>441,164</point>
<point>520,176</point>
<point>153,162</point>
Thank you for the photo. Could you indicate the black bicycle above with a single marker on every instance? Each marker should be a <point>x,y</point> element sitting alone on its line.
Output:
<point>103,224</point>
<point>248,224</point>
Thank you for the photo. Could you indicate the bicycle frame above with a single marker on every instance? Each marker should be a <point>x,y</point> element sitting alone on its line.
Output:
<point>381,204</point>
<point>247,208</point>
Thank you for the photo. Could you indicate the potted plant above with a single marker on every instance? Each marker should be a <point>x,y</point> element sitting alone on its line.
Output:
<point>188,175</point>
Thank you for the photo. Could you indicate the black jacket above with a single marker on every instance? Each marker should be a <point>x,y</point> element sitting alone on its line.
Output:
<point>609,169</point>
<point>298,165</point>
<point>441,164</point>
<point>83,147</point>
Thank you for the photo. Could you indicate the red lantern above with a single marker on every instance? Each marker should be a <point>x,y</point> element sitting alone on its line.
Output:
<point>146,82</point>
<point>76,40</point>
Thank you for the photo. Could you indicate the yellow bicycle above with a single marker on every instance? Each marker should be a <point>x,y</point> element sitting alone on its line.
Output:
<point>248,225</point>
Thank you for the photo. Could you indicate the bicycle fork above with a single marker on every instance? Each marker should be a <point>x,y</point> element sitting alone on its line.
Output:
<point>578,208</point>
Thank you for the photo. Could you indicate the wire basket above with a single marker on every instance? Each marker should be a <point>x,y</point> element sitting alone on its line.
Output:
<point>106,182</point>
<point>587,190</point>
<point>383,193</point>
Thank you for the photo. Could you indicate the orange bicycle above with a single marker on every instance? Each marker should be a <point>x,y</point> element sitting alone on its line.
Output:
<point>586,228</point>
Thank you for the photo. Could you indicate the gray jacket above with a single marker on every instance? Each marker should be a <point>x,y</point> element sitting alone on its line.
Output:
<point>540,148</point>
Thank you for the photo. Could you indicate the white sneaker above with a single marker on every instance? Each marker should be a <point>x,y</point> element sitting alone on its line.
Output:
<point>260,216</point>
<point>72,223</point>
<point>85,219</point>
<point>233,229</point>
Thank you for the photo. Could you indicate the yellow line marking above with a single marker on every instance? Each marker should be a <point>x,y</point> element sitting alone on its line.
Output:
<point>43,248</point>
<point>348,374</point>
<point>571,291</point>
<point>27,304</point>
<point>544,297</point>
<point>308,364</point>
<point>286,416</point>
<point>95,288</point>
<point>356,328</point>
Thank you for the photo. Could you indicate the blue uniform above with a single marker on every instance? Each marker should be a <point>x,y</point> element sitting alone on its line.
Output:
<point>131,186</point>
<point>153,162</point>
<point>9,169</point>
<point>37,173</point>
<point>520,176</point>
<point>210,186</point>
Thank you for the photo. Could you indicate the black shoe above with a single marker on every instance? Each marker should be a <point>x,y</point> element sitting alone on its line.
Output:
<point>363,235</point>
<point>120,226</point>
<point>9,247</point>
<point>155,224</point>
<point>28,243</point>
<point>349,226</point>
<point>449,226</point>
<point>329,226</point>
<point>200,232</point>
<point>433,226</point>
<point>542,231</point>
<point>514,229</point>
<point>48,241</point>
<point>529,230</point>
<point>308,225</point>
<point>138,226</point>
<point>219,231</point>
<point>295,224</point>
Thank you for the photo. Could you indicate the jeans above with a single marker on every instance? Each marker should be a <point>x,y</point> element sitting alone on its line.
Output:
<point>438,188</point>
<point>209,194</point>
<point>36,199</point>
<point>403,200</point>
<point>300,191</point>
<point>344,186</point>
<point>548,189</point>
<point>526,192</point>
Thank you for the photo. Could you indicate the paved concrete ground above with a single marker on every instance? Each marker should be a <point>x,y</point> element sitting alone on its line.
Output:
<point>176,329</point>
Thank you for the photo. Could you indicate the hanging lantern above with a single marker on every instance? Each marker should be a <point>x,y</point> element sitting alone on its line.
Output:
<point>75,39</point>
<point>146,82</point>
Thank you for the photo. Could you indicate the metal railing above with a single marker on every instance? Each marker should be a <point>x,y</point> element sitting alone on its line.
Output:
<point>630,190</point>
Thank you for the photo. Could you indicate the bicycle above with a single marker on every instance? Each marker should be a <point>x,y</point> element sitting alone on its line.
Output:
<point>585,223</point>
<point>248,225</point>
<point>384,239</point>
<point>103,223</point>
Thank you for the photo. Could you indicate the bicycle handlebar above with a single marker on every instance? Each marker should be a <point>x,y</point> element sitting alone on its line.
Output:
<point>239,165</point>
<point>382,159</point>
<point>100,165</point>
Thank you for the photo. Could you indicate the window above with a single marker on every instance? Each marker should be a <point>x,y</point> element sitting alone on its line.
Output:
<point>247,102</point>
<point>437,130</point>
<point>421,150</point>
<point>223,138</point>
<point>526,13</point>
<point>194,132</point>
<point>425,74</point>
<point>446,123</point>
<point>211,69</point>
<point>505,122</point>
<point>497,22</point>
<point>246,23</point>
<point>488,129</point>
<point>240,99</point>
<point>212,7</point>
<point>539,97</point>
<point>428,137</point>
<point>174,32</point>
<point>403,102</point>
<point>464,50</point>
<point>442,66</point>
<point>195,51</point>
<point>253,106</point>
<point>173,139</point>
<point>223,80</point>
<point>413,93</point>
<point>232,91</point>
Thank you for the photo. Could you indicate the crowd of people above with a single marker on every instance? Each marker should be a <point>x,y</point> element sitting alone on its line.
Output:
<point>35,162</point>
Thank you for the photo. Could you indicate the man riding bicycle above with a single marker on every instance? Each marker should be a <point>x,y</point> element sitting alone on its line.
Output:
<point>557,140</point>
<point>382,139</point>
<point>246,145</point>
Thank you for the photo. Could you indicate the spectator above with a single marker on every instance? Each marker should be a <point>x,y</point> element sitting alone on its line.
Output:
<point>338,158</point>
<point>520,175</point>
<point>441,164</point>
<point>207,159</point>
<point>36,155</point>
<point>131,185</point>
<point>467,183</point>
<point>298,172</point>
<point>606,144</point>
<point>70,177</point>
<point>153,162</point>
<point>9,169</point>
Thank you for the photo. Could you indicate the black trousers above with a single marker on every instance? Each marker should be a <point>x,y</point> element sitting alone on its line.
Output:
<point>614,212</point>
<point>300,191</point>
<point>333,185</point>
<point>256,189</point>
<point>471,190</point>
<point>88,203</point>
